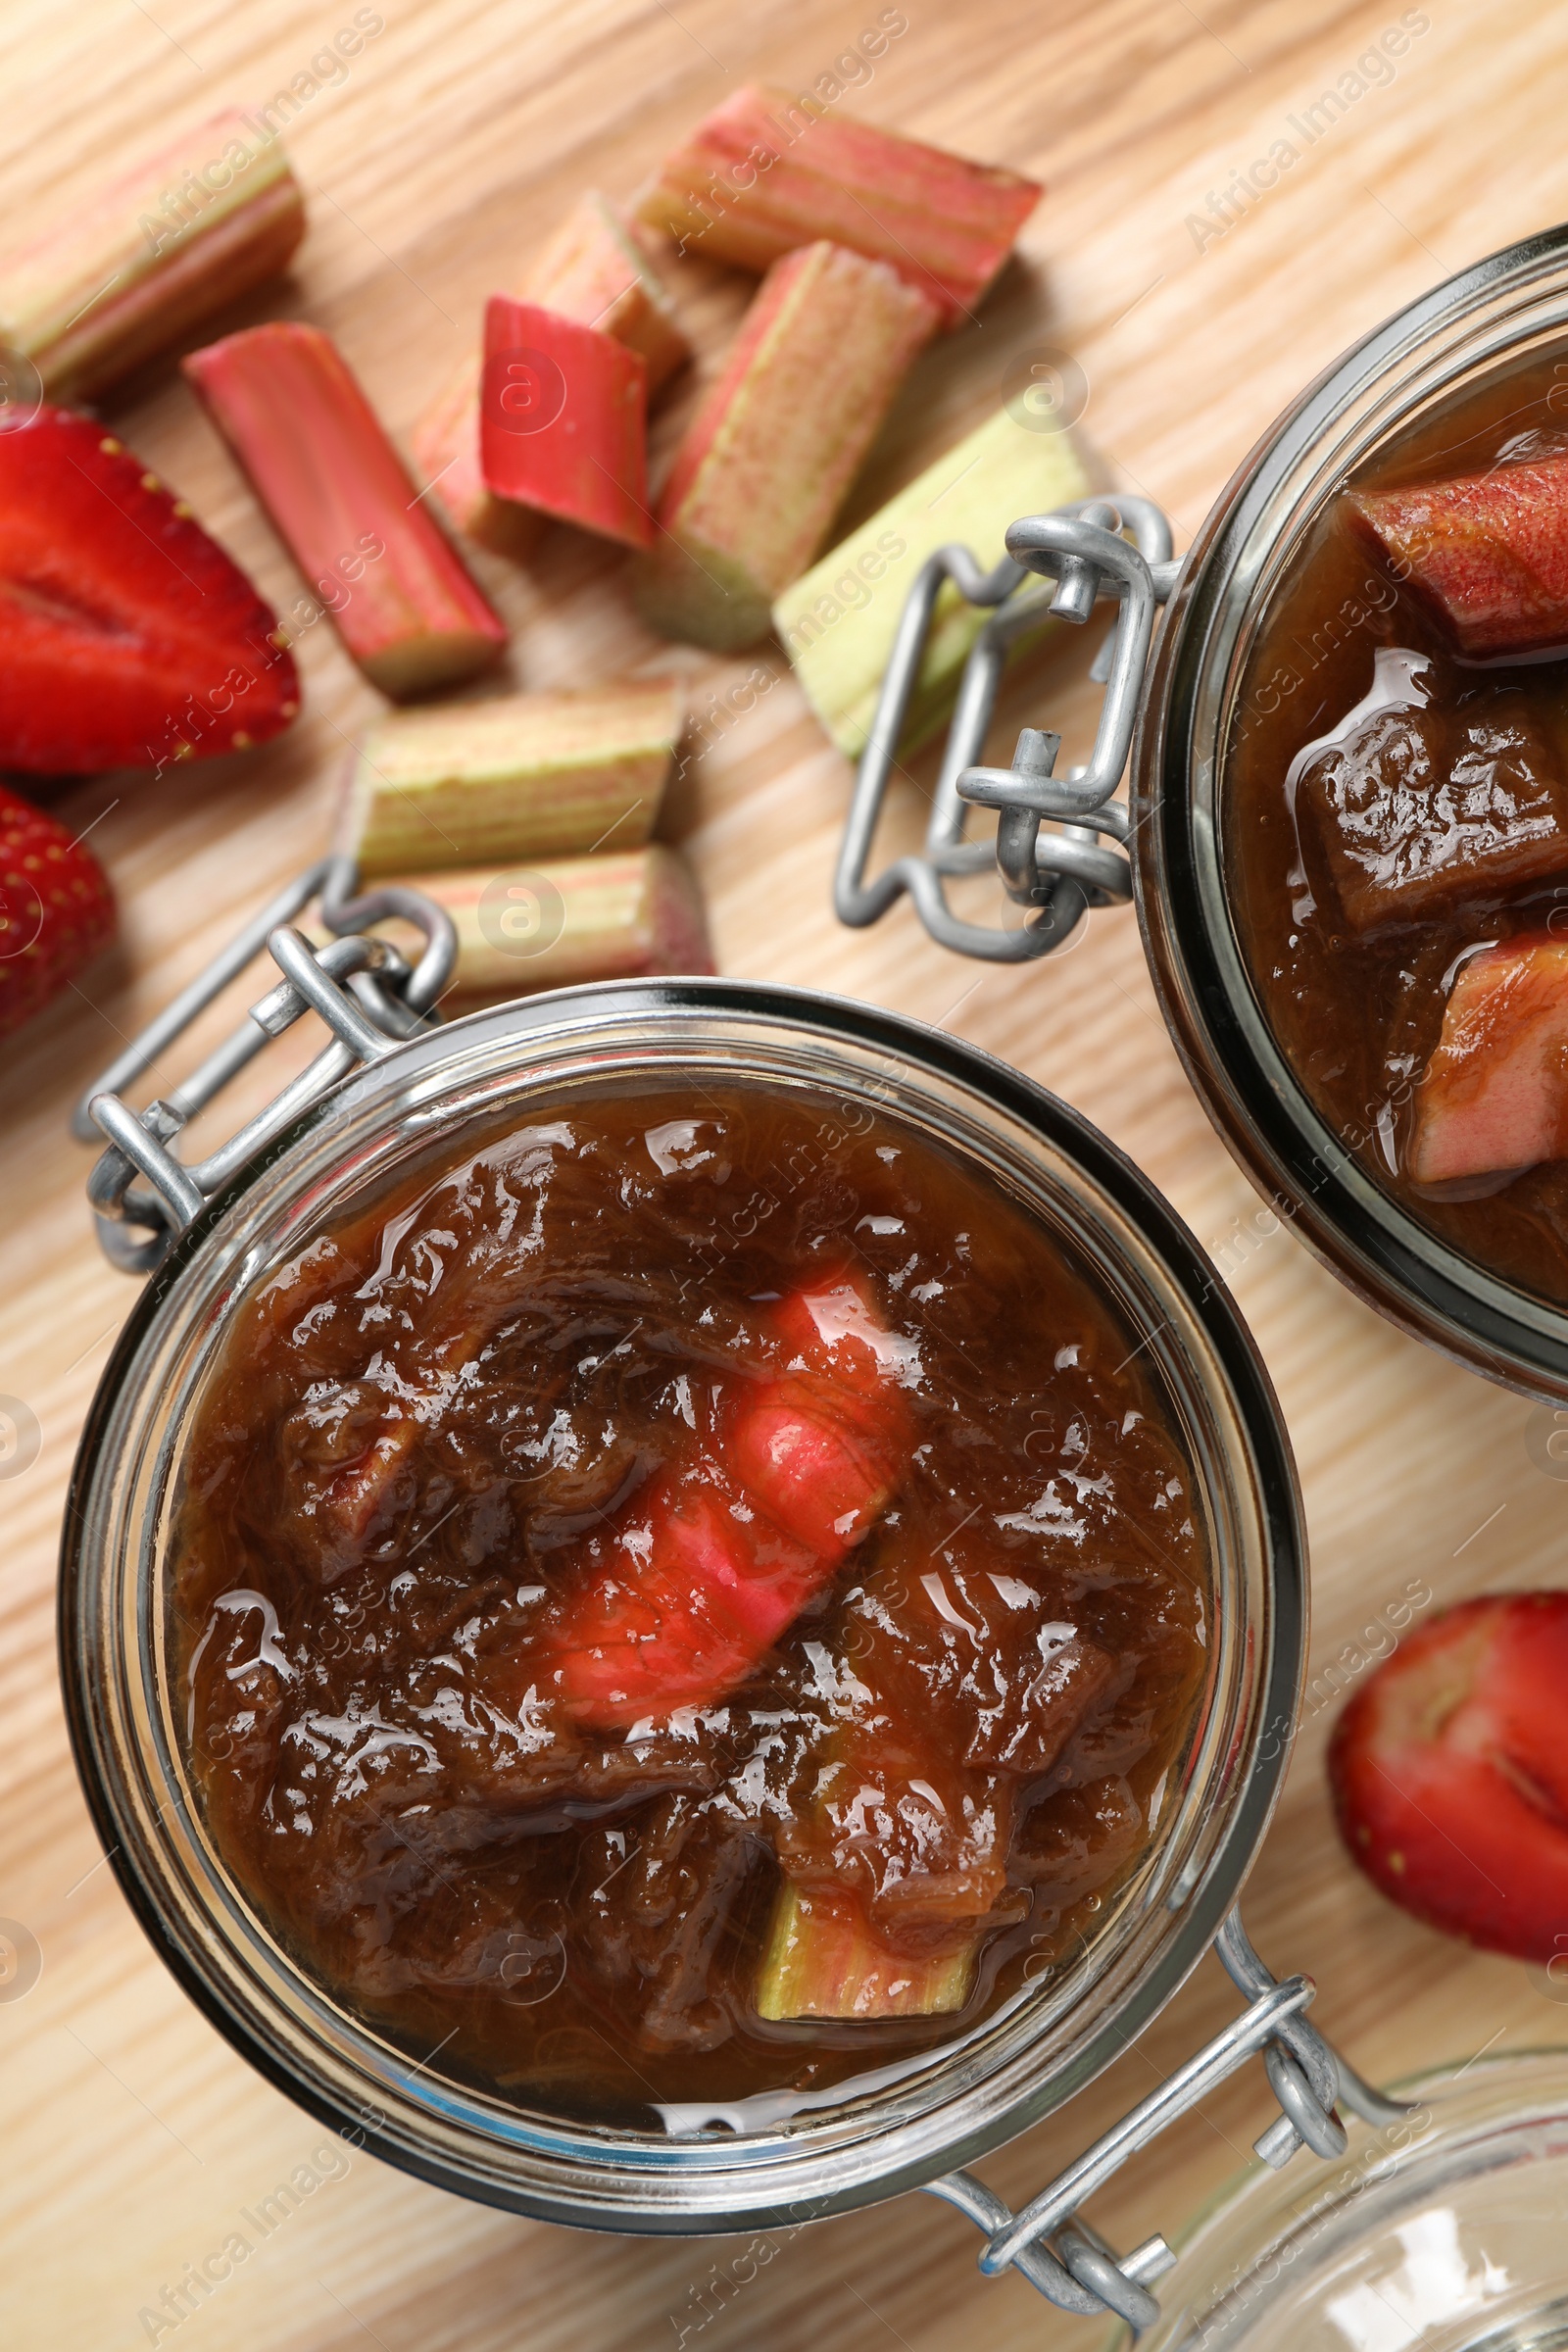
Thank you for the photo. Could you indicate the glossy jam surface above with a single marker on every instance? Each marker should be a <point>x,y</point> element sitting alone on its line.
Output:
<point>1431,819</point>
<point>656,1516</point>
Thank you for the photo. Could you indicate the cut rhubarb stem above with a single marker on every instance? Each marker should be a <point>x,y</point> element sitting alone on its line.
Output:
<point>1488,550</point>
<point>139,266</point>
<point>531,775</point>
<point>608,917</point>
<point>895,1848</point>
<point>823,1958</point>
<point>445,451</point>
<point>777,442</point>
<point>342,501</point>
<point>563,420</point>
<point>1493,1099</point>
<point>766,172</point>
<point>591,270</point>
<point>718,1557</point>
<point>838,622</point>
<point>594,271</point>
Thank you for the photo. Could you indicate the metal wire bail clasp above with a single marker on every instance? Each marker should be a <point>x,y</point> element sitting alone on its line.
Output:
<point>367,994</point>
<point>1057,874</point>
<point>1050,2243</point>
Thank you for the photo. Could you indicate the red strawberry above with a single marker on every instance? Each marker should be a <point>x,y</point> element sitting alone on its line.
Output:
<point>127,638</point>
<point>1449,1773</point>
<point>56,911</point>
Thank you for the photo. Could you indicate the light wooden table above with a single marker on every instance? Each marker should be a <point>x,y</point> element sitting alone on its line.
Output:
<point>131,2135</point>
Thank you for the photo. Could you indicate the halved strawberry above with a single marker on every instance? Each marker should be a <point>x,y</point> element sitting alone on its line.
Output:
<point>1449,1774</point>
<point>56,911</point>
<point>127,638</point>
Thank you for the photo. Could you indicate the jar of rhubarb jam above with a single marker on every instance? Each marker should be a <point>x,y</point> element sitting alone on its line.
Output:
<point>1351,803</point>
<point>1347,830</point>
<point>683,1605</point>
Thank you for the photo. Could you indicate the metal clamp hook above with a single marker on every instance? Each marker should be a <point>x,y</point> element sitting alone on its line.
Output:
<point>1059,873</point>
<point>367,994</point>
<point>1076,2270</point>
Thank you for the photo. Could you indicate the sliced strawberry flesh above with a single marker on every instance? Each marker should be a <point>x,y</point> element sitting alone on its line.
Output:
<point>127,638</point>
<point>1449,1773</point>
<point>1493,1099</point>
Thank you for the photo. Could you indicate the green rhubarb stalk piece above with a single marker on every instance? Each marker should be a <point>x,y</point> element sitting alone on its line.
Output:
<point>593,271</point>
<point>152,255</point>
<point>342,501</point>
<point>608,917</point>
<point>766,172</point>
<point>528,776</point>
<point>825,1959</point>
<point>839,621</point>
<point>774,447</point>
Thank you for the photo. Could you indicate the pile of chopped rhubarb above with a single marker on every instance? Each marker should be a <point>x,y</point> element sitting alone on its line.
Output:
<point>131,640</point>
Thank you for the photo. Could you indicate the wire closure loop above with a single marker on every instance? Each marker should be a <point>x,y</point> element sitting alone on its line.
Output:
<point>1059,873</point>
<point>1076,2270</point>
<point>367,994</point>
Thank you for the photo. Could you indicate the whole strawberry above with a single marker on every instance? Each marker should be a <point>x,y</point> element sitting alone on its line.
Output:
<point>1449,1773</point>
<point>56,909</point>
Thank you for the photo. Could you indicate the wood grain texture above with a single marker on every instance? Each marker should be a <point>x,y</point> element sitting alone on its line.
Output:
<point>446,153</point>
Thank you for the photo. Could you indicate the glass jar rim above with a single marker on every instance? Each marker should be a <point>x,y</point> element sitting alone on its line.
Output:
<point>1265,2251</point>
<point>1251,1093</point>
<point>969,2097</point>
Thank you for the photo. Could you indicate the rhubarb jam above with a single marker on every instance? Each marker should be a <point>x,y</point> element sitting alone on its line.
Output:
<point>687,1599</point>
<point>1393,803</point>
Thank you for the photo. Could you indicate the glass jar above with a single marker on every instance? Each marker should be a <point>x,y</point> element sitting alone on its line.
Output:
<point>1442,2230</point>
<point>1507,308</point>
<point>812,2154</point>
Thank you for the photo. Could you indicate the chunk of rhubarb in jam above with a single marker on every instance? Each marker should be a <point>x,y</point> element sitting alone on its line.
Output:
<point>824,1958</point>
<point>1493,1099</point>
<point>1489,552</point>
<point>563,420</point>
<point>691,1600</point>
<point>1418,806</point>
<point>895,1853</point>
<point>709,1569</point>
